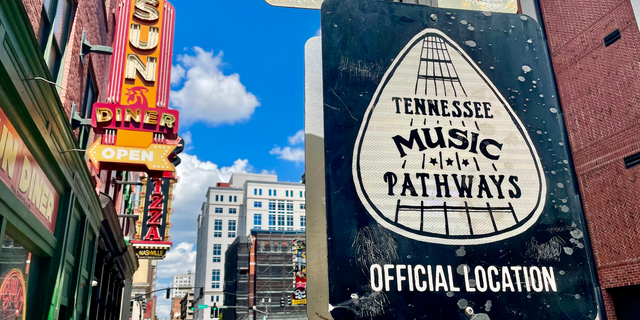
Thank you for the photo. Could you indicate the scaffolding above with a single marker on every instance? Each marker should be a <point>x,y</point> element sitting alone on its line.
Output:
<point>259,273</point>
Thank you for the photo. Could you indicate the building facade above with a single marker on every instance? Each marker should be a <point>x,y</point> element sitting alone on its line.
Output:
<point>184,280</point>
<point>249,201</point>
<point>185,306</point>
<point>594,49</point>
<point>62,240</point>
<point>260,277</point>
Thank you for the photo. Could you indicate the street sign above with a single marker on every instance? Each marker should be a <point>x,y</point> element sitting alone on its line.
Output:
<point>507,6</point>
<point>449,187</point>
<point>154,157</point>
<point>303,4</point>
<point>203,306</point>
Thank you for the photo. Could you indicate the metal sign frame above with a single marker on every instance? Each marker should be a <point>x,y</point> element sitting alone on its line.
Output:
<point>510,50</point>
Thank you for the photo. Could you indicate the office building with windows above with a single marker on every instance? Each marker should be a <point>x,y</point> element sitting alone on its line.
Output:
<point>247,202</point>
<point>274,206</point>
<point>186,280</point>
<point>217,229</point>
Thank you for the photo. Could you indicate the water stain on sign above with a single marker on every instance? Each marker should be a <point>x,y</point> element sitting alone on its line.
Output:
<point>441,157</point>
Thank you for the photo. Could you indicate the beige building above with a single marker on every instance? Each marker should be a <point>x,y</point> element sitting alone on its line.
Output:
<point>144,280</point>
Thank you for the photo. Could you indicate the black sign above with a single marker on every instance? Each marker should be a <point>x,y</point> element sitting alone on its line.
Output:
<point>151,253</point>
<point>155,208</point>
<point>450,191</point>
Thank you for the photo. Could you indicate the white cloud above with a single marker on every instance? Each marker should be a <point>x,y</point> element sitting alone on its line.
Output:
<point>208,95</point>
<point>291,153</point>
<point>265,171</point>
<point>288,153</point>
<point>195,177</point>
<point>188,140</point>
<point>319,32</point>
<point>177,74</point>
<point>296,138</point>
<point>179,259</point>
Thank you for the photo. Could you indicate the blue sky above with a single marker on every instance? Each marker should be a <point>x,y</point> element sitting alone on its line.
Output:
<point>238,81</point>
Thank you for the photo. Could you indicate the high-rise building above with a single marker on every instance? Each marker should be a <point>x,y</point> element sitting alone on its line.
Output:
<point>185,280</point>
<point>249,201</point>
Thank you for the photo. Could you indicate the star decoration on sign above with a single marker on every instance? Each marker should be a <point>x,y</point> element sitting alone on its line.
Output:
<point>449,162</point>
<point>433,161</point>
<point>465,162</point>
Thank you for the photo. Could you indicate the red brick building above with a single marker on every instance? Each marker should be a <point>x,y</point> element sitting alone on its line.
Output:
<point>599,92</point>
<point>73,261</point>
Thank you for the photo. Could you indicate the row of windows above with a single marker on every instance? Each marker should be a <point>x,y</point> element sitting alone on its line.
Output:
<point>279,228</point>
<point>272,192</point>
<point>221,210</point>
<point>272,205</point>
<point>217,298</point>
<point>217,229</point>
<point>257,220</point>
<point>220,198</point>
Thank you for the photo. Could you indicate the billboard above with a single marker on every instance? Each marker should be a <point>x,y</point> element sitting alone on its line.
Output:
<point>151,240</point>
<point>24,177</point>
<point>449,186</point>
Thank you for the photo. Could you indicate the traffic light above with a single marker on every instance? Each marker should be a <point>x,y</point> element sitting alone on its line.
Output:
<point>168,293</point>
<point>282,302</point>
<point>144,305</point>
<point>214,311</point>
<point>289,301</point>
<point>173,157</point>
<point>193,305</point>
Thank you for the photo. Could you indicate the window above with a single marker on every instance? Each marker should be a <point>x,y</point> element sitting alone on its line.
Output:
<point>215,279</point>
<point>235,198</point>
<point>289,205</point>
<point>232,229</point>
<point>272,228</point>
<point>303,221</point>
<point>257,219</point>
<point>269,192</point>
<point>217,252</point>
<point>272,220</point>
<point>257,204</point>
<point>281,205</point>
<point>217,298</point>
<point>289,221</point>
<point>300,194</point>
<point>90,97</point>
<point>211,298</point>
<point>218,210</point>
<point>289,228</point>
<point>280,228</point>
<point>55,25</point>
<point>274,192</point>
<point>286,193</point>
<point>232,210</point>
<point>257,228</point>
<point>217,196</point>
<point>255,192</point>
<point>280,220</point>
<point>217,227</point>
<point>272,205</point>
<point>303,206</point>
<point>259,192</point>
<point>291,193</point>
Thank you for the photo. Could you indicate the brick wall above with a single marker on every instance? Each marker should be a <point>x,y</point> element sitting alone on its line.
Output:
<point>97,19</point>
<point>599,95</point>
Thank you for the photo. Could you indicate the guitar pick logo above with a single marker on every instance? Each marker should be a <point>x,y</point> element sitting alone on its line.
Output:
<point>440,156</point>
